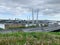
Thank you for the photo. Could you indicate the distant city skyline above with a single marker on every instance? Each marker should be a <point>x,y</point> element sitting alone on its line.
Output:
<point>24,17</point>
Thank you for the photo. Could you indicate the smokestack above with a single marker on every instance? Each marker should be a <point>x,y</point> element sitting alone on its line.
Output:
<point>32,17</point>
<point>28,20</point>
<point>37,16</point>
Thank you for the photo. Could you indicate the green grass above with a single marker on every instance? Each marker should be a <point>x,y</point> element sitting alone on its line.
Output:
<point>30,38</point>
<point>43,38</point>
<point>18,38</point>
<point>56,33</point>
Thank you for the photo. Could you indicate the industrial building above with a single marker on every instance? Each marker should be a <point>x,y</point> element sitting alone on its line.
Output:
<point>5,24</point>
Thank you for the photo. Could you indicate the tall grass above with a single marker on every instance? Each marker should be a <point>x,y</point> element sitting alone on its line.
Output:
<point>30,38</point>
<point>13,39</point>
<point>41,38</point>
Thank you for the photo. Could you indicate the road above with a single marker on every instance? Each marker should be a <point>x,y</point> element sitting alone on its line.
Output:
<point>42,29</point>
<point>37,29</point>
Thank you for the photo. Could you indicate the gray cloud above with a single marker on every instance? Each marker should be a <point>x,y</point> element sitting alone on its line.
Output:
<point>53,1</point>
<point>18,7</point>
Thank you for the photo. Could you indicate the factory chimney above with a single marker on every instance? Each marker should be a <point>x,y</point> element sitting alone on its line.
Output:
<point>37,17</point>
<point>32,17</point>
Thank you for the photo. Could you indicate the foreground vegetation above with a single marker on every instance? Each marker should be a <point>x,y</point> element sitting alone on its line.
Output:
<point>18,38</point>
<point>30,38</point>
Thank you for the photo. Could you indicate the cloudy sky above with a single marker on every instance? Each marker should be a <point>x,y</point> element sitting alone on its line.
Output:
<point>48,9</point>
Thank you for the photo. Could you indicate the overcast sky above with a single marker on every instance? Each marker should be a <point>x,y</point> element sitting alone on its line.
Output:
<point>48,9</point>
